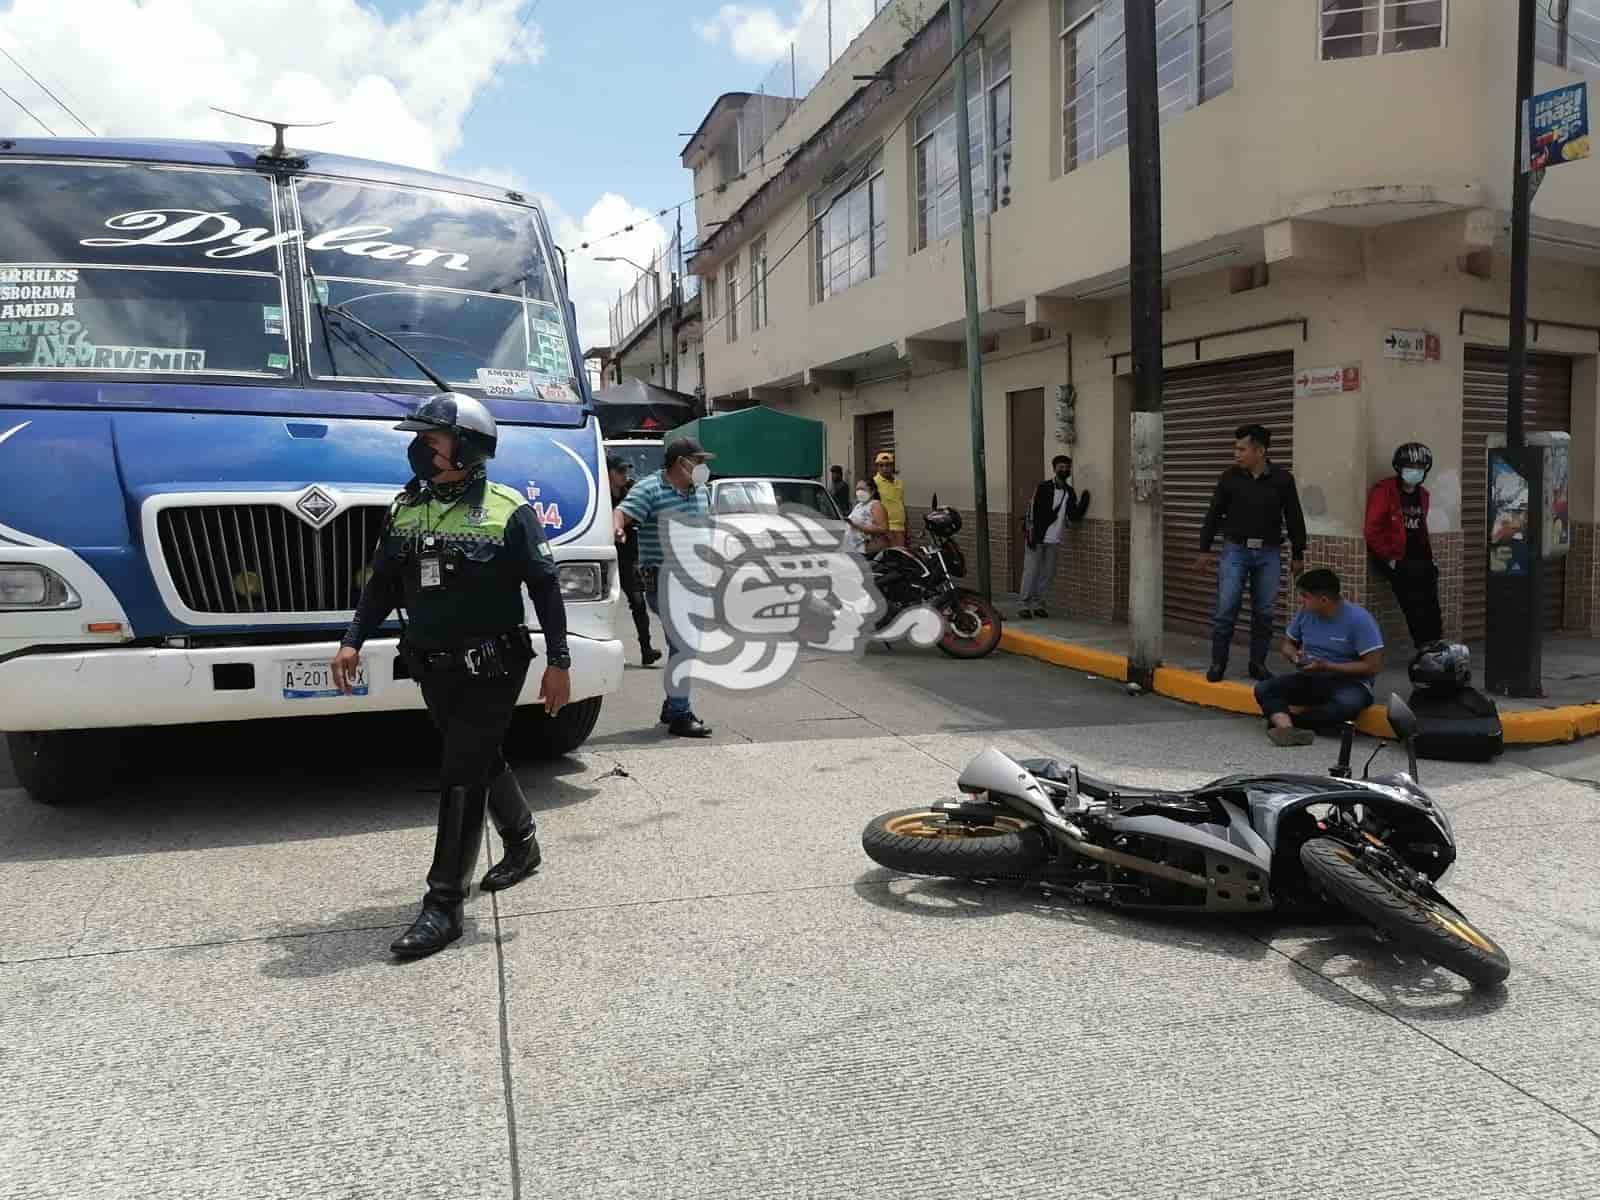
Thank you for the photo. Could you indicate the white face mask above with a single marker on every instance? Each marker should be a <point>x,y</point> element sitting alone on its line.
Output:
<point>1413,476</point>
<point>863,497</point>
<point>701,475</point>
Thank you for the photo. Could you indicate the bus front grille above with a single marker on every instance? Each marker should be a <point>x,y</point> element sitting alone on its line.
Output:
<point>261,558</point>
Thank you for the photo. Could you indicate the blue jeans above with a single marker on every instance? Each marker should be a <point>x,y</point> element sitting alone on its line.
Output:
<point>1333,698</point>
<point>1261,568</point>
<point>677,699</point>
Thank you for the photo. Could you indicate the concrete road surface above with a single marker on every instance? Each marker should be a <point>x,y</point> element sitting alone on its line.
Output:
<point>708,991</point>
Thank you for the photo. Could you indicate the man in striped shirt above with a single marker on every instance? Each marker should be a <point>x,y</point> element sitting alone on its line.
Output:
<point>679,487</point>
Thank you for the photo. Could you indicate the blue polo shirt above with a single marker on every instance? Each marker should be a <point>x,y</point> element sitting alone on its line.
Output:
<point>647,500</point>
<point>1341,638</point>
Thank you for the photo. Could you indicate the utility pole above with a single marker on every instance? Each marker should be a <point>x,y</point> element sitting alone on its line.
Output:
<point>1513,650</point>
<point>1145,584</point>
<point>969,271</point>
<point>677,295</point>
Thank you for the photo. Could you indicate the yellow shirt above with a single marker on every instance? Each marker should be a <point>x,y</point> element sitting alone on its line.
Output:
<point>893,494</point>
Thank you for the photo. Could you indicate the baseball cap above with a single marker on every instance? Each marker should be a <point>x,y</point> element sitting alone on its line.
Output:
<point>884,456</point>
<point>684,447</point>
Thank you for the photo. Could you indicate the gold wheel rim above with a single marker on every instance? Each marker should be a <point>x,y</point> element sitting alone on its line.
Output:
<point>939,827</point>
<point>1453,922</point>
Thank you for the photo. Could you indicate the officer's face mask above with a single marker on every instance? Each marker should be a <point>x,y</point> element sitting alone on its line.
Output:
<point>863,496</point>
<point>1411,476</point>
<point>420,455</point>
<point>701,475</point>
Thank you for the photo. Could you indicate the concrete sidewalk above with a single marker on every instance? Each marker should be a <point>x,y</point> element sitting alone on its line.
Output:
<point>1570,709</point>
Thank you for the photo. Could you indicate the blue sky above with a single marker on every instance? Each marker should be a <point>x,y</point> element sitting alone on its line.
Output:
<point>602,110</point>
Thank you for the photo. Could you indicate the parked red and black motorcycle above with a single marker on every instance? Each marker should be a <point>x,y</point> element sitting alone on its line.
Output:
<point>924,574</point>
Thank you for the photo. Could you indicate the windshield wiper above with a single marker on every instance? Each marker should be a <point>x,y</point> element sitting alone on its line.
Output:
<point>346,315</point>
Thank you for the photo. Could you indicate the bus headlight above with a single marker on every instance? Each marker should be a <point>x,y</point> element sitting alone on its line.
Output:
<point>25,586</point>
<point>582,581</point>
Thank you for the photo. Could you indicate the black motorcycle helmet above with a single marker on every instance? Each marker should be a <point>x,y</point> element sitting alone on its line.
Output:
<point>475,431</point>
<point>1442,664</point>
<point>1412,454</point>
<point>943,522</point>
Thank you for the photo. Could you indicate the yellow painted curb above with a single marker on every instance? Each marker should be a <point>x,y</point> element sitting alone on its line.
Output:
<point>1064,654</point>
<point>1193,688</point>
<point>1537,727</point>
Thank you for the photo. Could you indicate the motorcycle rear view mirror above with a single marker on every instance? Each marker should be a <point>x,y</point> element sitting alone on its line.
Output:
<point>1404,723</point>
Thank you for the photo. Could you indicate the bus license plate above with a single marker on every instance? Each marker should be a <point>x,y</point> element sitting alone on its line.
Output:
<point>313,680</point>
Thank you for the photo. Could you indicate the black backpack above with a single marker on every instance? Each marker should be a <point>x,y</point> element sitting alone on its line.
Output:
<point>1456,723</point>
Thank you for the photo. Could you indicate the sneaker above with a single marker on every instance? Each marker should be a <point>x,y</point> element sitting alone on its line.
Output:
<point>649,657</point>
<point>1039,612</point>
<point>666,715</point>
<point>1291,736</point>
<point>1217,671</point>
<point>1024,614</point>
<point>689,725</point>
<point>1259,671</point>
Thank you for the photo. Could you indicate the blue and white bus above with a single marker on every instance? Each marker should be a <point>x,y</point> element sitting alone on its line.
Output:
<point>196,443</point>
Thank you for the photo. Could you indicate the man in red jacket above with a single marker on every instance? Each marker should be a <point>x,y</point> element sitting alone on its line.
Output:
<point>1397,536</point>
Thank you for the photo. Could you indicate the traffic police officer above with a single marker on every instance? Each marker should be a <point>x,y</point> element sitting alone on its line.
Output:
<point>455,554</point>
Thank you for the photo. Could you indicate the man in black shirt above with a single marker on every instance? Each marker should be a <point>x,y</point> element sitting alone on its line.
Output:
<point>1253,503</point>
<point>839,490</point>
<point>456,553</point>
<point>628,563</point>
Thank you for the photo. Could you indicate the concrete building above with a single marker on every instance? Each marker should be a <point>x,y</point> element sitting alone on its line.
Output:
<point>1329,176</point>
<point>645,322</point>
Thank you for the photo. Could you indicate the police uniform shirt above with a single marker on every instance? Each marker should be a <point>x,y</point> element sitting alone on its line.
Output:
<point>459,567</point>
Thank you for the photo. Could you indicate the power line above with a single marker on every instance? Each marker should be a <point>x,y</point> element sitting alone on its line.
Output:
<point>672,208</point>
<point>898,125</point>
<point>27,110</point>
<point>62,104</point>
<point>495,74</point>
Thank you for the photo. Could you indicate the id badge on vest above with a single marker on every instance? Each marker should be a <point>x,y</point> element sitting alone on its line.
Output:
<point>430,565</point>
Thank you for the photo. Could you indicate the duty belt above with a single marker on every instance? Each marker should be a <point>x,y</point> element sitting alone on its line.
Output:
<point>1249,543</point>
<point>490,658</point>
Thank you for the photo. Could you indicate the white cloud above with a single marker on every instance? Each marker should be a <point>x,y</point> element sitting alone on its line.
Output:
<point>760,35</point>
<point>596,285</point>
<point>395,90</point>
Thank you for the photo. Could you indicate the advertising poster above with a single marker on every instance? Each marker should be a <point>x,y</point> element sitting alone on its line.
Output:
<point>1508,518</point>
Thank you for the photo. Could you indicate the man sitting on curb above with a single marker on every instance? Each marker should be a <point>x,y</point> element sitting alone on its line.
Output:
<point>1337,649</point>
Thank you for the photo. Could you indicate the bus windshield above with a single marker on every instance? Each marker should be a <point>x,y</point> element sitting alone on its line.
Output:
<point>464,284</point>
<point>137,269</point>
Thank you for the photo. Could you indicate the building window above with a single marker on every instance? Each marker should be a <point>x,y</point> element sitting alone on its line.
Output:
<point>997,115</point>
<point>1194,64</point>
<point>1360,28</point>
<point>934,157</point>
<point>1568,35</point>
<point>850,228</point>
<point>708,297</point>
<point>758,283</point>
<point>730,287</point>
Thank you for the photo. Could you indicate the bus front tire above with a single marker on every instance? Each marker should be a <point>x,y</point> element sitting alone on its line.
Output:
<point>537,735</point>
<point>62,765</point>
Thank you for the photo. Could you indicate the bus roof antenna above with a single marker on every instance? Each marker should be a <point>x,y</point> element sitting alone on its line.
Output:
<point>277,152</point>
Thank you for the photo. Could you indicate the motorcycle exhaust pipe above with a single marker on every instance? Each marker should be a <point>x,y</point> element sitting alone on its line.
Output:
<point>1143,866</point>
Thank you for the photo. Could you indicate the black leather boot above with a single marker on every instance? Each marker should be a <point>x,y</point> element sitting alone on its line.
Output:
<point>518,835</point>
<point>455,852</point>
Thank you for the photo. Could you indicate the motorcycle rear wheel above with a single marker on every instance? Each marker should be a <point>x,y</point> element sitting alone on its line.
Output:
<point>1436,931</point>
<point>919,841</point>
<point>972,626</point>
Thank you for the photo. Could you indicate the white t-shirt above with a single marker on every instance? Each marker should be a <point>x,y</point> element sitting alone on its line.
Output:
<point>1052,536</point>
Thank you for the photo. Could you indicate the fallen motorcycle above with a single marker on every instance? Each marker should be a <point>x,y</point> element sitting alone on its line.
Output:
<point>925,574</point>
<point>1240,844</point>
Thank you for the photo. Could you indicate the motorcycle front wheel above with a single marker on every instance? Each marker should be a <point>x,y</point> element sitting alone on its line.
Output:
<point>1436,931</point>
<point>971,625</point>
<point>920,841</point>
